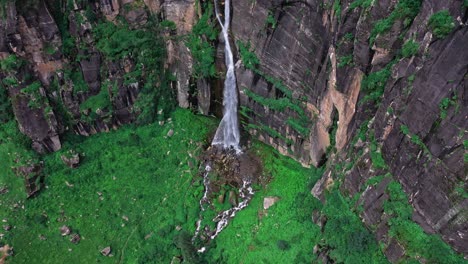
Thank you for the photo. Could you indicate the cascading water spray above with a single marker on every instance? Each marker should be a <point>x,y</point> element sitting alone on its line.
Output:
<point>227,134</point>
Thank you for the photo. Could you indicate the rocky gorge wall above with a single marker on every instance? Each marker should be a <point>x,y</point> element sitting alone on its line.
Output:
<point>368,88</point>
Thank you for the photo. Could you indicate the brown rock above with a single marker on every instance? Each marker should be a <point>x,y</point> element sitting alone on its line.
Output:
<point>269,201</point>
<point>75,238</point>
<point>71,159</point>
<point>65,230</point>
<point>106,251</point>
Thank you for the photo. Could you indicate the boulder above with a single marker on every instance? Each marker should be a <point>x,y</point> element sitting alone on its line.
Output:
<point>269,201</point>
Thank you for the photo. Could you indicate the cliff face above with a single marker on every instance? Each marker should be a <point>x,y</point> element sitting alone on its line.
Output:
<point>375,78</point>
<point>336,82</point>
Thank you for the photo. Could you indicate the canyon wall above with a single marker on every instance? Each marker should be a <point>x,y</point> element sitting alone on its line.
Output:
<point>325,82</point>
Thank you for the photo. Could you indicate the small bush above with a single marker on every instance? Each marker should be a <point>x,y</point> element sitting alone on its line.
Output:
<point>410,48</point>
<point>345,60</point>
<point>283,245</point>
<point>10,63</point>
<point>249,58</point>
<point>200,44</point>
<point>441,23</point>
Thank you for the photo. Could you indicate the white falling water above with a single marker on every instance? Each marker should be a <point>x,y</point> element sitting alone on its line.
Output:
<point>227,134</point>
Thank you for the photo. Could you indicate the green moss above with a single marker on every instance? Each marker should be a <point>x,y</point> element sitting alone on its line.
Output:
<point>441,23</point>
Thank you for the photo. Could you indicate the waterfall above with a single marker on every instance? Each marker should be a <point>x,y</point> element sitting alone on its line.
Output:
<point>227,133</point>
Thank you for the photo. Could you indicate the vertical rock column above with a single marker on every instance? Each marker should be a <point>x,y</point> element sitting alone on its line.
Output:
<point>182,13</point>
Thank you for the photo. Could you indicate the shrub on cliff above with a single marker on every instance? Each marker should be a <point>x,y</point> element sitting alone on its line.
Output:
<point>5,106</point>
<point>441,23</point>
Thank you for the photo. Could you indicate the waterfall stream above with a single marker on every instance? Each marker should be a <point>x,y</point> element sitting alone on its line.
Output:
<point>227,134</point>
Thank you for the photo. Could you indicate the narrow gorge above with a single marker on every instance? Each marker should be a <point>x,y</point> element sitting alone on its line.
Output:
<point>308,131</point>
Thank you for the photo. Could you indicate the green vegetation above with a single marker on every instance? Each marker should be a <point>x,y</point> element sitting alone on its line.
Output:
<point>36,100</point>
<point>361,3</point>
<point>101,101</point>
<point>133,188</point>
<point>283,233</point>
<point>441,23</point>
<point>409,49</point>
<point>345,61</point>
<point>283,100</point>
<point>376,154</point>
<point>270,21</point>
<point>5,105</point>
<point>345,234</point>
<point>405,10</point>
<point>337,9</point>
<point>136,192</point>
<point>10,63</point>
<point>415,139</point>
<point>76,77</point>
<point>465,147</point>
<point>274,104</point>
<point>410,235</point>
<point>147,48</point>
<point>374,84</point>
<point>249,59</point>
<point>199,41</point>
<point>445,104</point>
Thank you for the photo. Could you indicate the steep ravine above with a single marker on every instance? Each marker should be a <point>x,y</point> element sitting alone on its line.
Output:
<point>374,91</point>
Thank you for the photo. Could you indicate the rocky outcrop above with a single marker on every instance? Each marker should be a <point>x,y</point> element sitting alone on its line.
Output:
<point>183,14</point>
<point>325,59</point>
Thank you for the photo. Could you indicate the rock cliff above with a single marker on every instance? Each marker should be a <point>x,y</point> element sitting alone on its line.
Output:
<point>366,88</point>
